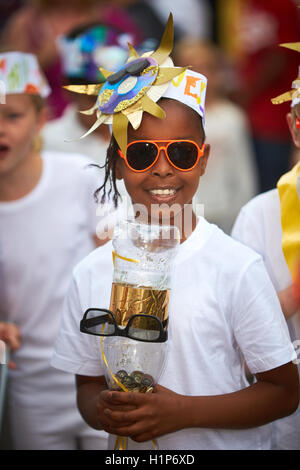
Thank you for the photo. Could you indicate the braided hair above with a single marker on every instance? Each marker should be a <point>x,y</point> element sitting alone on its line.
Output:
<point>110,175</point>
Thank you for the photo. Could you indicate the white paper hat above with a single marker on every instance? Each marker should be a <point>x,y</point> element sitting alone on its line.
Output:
<point>20,73</point>
<point>189,88</point>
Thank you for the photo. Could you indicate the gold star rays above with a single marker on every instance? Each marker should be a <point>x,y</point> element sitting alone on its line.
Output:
<point>295,92</point>
<point>156,76</point>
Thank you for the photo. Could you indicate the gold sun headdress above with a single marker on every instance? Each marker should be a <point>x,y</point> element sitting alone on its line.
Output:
<point>292,95</point>
<point>133,89</point>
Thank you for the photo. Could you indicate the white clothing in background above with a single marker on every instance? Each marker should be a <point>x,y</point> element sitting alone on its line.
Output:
<point>57,134</point>
<point>259,227</point>
<point>230,177</point>
<point>192,17</point>
<point>222,301</point>
<point>42,237</point>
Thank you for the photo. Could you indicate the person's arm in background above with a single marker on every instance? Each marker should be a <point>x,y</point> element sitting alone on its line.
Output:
<point>288,302</point>
<point>10,333</point>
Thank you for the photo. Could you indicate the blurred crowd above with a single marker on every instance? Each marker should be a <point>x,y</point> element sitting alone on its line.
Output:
<point>234,43</point>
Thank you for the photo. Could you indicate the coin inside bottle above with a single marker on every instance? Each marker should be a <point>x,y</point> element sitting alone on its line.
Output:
<point>136,381</point>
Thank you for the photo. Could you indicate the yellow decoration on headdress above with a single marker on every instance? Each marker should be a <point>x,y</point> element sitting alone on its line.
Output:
<point>289,193</point>
<point>131,109</point>
<point>132,53</point>
<point>287,96</point>
<point>85,89</point>
<point>90,111</point>
<point>295,92</point>
<point>105,73</point>
<point>98,123</point>
<point>166,45</point>
<point>295,46</point>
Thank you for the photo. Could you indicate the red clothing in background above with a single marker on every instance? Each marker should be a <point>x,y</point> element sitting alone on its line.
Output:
<point>264,24</point>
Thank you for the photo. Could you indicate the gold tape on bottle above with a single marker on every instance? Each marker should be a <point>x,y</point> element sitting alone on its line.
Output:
<point>127,300</point>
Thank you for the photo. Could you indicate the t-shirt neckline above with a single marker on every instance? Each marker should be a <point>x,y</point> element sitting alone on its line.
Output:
<point>199,236</point>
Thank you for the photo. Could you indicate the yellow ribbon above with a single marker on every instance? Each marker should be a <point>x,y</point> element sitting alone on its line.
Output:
<point>116,255</point>
<point>289,193</point>
<point>121,443</point>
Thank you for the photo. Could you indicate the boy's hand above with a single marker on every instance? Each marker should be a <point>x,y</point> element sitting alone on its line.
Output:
<point>142,416</point>
<point>10,333</point>
<point>289,304</point>
<point>103,404</point>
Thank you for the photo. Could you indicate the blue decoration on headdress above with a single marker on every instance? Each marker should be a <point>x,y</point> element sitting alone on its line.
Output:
<point>138,78</point>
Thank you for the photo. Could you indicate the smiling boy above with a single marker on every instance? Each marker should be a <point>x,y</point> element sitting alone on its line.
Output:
<point>222,302</point>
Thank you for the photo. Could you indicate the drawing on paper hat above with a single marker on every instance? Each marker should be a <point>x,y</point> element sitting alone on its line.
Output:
<point>20,73</point>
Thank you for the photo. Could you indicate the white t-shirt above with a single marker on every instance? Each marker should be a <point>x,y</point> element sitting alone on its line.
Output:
<point>259,227</point>
<point>42,237</point>
<point>221,300</point>
<point>229,181</point>
<point>63,135</point>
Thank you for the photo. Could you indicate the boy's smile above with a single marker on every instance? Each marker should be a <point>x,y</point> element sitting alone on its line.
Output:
<point>163,194</point>
<point>162,184</point>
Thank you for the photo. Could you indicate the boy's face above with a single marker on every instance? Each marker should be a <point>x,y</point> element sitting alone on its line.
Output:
<point>19,124</point>
<point>180,123</point>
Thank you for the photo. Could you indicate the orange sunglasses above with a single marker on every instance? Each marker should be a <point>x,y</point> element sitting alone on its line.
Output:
<point>183,155</point>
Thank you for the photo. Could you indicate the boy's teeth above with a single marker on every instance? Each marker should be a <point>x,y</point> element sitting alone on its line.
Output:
<point>165,192</point>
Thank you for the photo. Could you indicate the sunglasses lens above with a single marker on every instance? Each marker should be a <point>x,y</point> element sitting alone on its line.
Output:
<point>98,322</point>
<point>183,154</point>
<point>141,155</point>
<point>144,328</point>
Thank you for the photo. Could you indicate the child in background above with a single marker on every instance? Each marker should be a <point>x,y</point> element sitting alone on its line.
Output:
<point>261,225</point>
<point>82,52</point>
<point>230,177</point>
<point>35,27</point>
<point>222,300</point>
<point>296,288</point>
<point>48,224</point>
